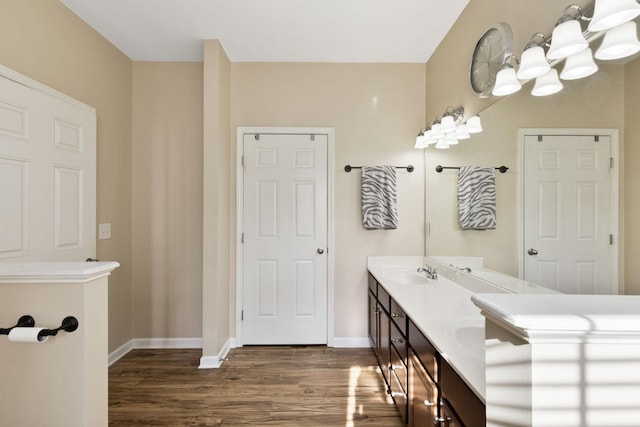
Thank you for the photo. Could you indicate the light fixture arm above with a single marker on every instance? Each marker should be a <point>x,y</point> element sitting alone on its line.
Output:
<point>578,16</point>
<point>507,62</point>
<point>543,41</point>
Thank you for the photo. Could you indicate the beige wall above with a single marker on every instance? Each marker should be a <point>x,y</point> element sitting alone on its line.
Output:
<point>632,177</point>
<point>217,249</point>
<point>376,111</point>
<point>167,200</point>
<point>66,375</point>
<point>43,40</point>
<point>596,102</point>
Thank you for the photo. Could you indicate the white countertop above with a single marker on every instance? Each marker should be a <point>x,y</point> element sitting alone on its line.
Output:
<point>442,310</point>
<point>568,317</point>
<point>53,272</point>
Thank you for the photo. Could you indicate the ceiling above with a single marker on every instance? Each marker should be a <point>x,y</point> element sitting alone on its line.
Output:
<point>273,30</point>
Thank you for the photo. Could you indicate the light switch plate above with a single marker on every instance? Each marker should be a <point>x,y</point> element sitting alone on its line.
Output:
<point>104,231</point>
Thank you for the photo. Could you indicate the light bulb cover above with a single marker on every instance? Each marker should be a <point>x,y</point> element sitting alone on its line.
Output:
<point>566,39</point>
<point>579,65</point>
<point>506,82</point>
<point>447,124</point>
<point>450,140</point>
<point>533,63</point>
<point>611,13</point>
<point>461,132</point>
<point>547,84</point>
<point>442,145</point>
<point>436,132</point>
<point>474,125</point>
<point>619,42</point>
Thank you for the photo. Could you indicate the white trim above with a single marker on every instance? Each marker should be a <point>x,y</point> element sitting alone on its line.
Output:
<point>19,78</point>
<point>240,219</point>
<point>120,352</point>
<point>351,342</point>
<point>616,286</point>
<point>143,343</point>
<point>167,343</point>
<point>213,362</point>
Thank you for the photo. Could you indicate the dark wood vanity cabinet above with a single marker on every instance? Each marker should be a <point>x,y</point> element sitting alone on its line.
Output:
<point>424,387</point>
<point>460,400</point>
<point>423,394</point>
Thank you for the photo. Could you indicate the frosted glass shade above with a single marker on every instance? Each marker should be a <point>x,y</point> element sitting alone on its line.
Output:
<point>447,124</point>
<point>579,65</point>
<point>547,84</point>
<point>474,125</point>
<point>611,13</point>
<point>506,82</point>
<point>461,132</point>
<point>450,140</point>
<point>533,63</point>
<point>441,144</point>
<point>435,132</point>
<point>566,40</point>
<point>619,42</point>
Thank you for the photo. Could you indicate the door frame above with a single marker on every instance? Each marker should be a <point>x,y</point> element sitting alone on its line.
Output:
<point>614,253</point>
<point>241,131</point>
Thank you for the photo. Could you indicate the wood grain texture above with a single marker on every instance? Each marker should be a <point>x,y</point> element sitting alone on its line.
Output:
<point>256,386</point>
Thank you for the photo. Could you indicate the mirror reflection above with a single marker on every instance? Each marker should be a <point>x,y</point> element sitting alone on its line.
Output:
<point>606,104</point>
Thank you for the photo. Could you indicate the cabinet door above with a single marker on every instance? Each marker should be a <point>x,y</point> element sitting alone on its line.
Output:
<point>373,322</point>
<point>461,398</point>
<point>423,395</point>
<point>447,417</point>
<point>384,338</point>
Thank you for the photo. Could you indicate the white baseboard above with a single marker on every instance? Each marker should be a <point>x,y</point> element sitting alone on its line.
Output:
<point>213,362</point>
<point>119,353</point>
<point>351,342</point>
<point>139,343</point>
<point>167,343</point>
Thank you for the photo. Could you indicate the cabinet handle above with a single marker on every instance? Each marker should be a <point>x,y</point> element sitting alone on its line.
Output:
<point>439,421</point>
<point>394,314</point>
<point>397,393</point>
<point>428,404</point>
<point>397,340</point>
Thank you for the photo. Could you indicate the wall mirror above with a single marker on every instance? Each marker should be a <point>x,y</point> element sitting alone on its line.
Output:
<point>596,102</point>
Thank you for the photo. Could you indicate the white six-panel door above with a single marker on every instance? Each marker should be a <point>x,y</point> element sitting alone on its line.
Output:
<point>285,278</point>
<point>567,213</point>
<point>47,175</point>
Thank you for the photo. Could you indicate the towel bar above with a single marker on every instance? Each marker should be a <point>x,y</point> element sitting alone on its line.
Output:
<point>501,169</point>
<point>348,168</point>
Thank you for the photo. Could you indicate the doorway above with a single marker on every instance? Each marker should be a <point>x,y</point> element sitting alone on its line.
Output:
<point>569,209</point>
<point>284,294</point>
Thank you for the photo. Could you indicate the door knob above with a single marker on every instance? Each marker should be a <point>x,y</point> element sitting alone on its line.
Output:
<point>532,251</point>
<point>320,251</point>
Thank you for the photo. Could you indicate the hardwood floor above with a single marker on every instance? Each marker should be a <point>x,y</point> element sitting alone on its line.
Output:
<point>256,386</point>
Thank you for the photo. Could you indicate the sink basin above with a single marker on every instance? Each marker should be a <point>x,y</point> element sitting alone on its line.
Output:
<point>407,277</point>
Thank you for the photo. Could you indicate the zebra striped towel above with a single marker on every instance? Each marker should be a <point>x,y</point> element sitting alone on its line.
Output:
<point>477,198</point>
<point>379,199</point>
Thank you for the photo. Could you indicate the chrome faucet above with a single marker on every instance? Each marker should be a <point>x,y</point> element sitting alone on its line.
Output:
<point>465,269</point>
<point>431,273</point>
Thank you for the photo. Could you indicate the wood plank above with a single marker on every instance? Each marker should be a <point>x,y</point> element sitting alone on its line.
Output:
<point>256,386</point>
